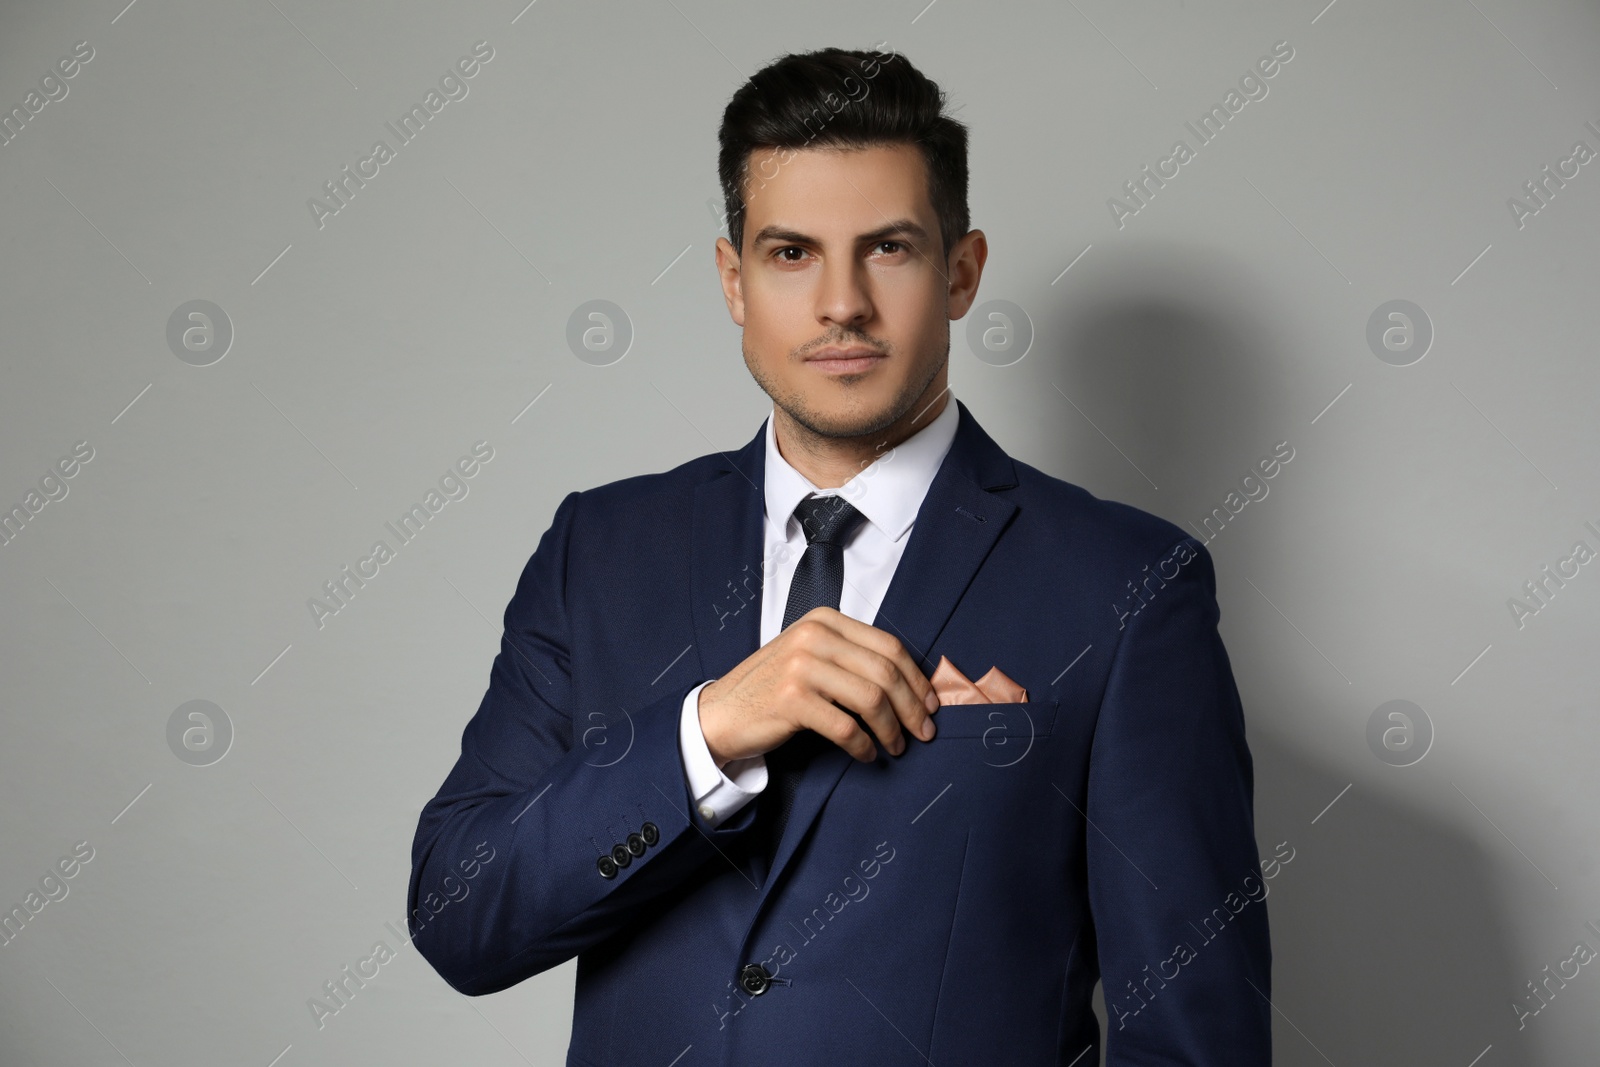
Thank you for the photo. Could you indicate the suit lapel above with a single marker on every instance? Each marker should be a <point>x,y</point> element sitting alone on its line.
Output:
<point>727,570</point>
<point>958,523</point>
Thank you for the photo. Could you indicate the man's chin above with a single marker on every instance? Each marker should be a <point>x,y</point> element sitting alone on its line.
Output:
<point>826,416</point>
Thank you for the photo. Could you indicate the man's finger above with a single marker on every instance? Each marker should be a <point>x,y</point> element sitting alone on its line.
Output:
<point>876,704</point>
<point>823,717</point>
<point>890,647</point>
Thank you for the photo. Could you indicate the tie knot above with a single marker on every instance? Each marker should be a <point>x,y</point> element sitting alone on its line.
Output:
<point>827,520</point>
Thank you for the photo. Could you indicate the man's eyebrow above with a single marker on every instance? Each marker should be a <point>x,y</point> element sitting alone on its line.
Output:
<point>903,227</point>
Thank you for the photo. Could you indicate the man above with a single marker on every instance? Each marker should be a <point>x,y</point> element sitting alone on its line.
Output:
<point>711,764</point>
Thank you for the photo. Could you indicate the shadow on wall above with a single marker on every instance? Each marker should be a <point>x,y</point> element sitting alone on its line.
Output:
<point>1173,357</point>
<point>1390,938</point>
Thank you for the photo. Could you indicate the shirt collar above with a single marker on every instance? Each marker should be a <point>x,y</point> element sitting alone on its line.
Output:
<point>889,491</point>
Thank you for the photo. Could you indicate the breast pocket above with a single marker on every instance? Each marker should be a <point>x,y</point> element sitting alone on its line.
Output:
<point>988,765</point>
<point>997,734</point>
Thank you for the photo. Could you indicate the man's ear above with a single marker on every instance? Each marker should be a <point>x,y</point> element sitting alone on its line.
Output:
<point>965,267</point>
<point>732,280</point>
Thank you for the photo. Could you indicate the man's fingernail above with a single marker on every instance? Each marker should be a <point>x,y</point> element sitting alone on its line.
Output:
<point>932,701</point>
<point>927,729</point>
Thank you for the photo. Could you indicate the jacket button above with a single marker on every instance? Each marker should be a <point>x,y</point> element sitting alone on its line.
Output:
<point>636,845</point>
<point>650,832</point>
<point>608,867</point>
<point>621,855</point>
<point>754,979</point>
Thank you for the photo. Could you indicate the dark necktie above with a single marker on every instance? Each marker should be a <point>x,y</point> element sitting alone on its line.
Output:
<point>818,579</point>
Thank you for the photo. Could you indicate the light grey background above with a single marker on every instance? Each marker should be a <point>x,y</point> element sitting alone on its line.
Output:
<point>369,355</point>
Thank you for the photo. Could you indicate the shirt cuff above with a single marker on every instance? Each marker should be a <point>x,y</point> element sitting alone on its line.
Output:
<point>718,792</point>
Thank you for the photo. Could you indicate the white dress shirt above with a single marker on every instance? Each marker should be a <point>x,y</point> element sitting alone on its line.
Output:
<point>888,492</point>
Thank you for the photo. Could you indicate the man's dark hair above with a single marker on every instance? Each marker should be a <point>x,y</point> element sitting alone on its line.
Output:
<point>837,98</point>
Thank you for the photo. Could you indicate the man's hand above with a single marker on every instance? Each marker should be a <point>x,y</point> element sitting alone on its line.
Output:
<point>793,682</point>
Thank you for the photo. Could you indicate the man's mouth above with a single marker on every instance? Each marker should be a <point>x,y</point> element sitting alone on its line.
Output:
<point>849,360</point>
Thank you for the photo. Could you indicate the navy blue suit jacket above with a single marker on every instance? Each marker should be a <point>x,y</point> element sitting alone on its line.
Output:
<point>954,905</point>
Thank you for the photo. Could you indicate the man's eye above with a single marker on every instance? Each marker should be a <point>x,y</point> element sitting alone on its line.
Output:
<point>789,248</point>
<point>894,246</point>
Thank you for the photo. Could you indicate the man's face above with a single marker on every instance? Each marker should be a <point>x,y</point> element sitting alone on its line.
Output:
<point>842,257</point>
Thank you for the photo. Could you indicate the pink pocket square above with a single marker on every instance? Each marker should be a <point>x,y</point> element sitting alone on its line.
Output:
<point>953,687</point>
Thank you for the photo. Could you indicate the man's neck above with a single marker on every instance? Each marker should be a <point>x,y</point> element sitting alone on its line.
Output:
<point>830,462</point>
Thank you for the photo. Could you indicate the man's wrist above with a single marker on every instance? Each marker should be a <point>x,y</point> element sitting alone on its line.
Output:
<point>715,791</point>
<point>717,757</point>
